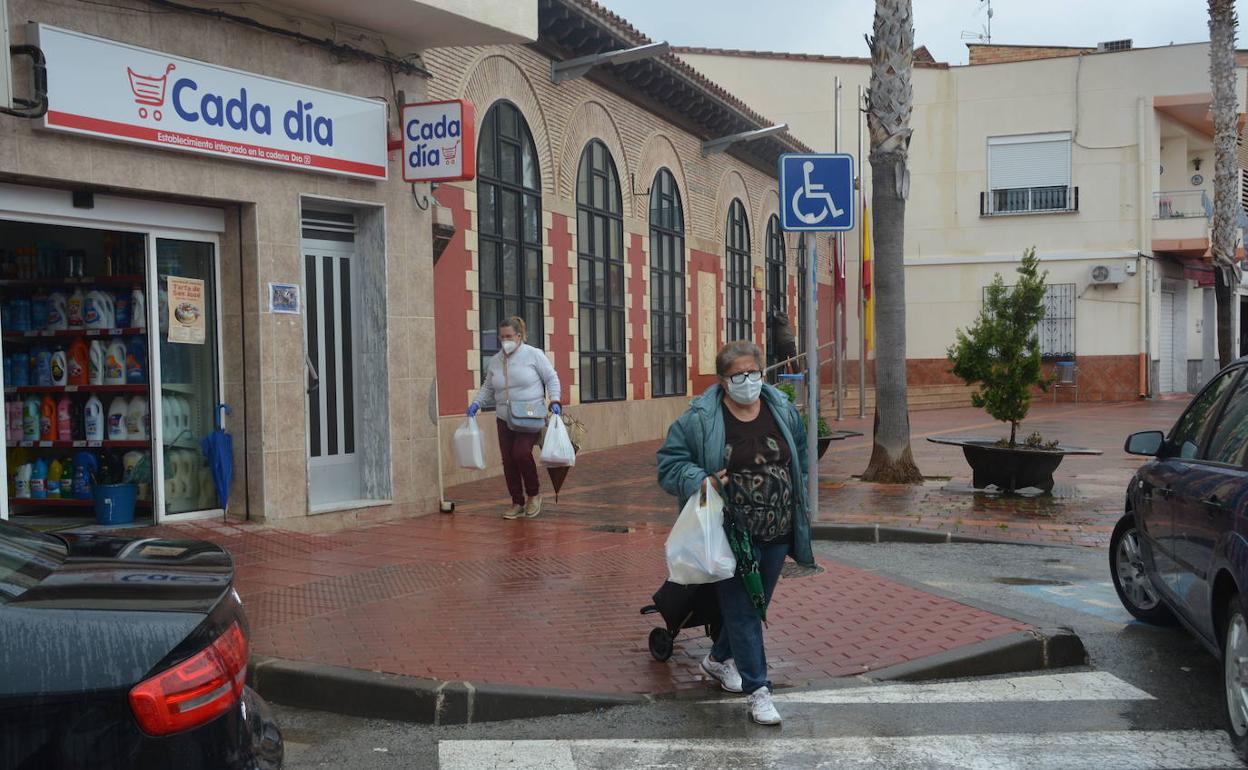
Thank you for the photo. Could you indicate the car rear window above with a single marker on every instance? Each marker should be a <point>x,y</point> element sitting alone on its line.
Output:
<point>26,557</point>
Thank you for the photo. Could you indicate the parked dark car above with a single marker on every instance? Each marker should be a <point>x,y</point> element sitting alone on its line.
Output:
<point>1180,552</point>
<point>125,653</point>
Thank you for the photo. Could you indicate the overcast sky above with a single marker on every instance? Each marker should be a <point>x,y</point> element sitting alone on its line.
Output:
<point>837,27</point>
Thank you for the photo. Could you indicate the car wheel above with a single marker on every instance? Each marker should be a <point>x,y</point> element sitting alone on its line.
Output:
<point>1235,674</point>
<point>1131,581</point>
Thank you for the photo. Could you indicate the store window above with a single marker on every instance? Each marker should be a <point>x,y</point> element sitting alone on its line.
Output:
<point>776,294</point>
<point>669,365</point>
<point>509,227</point>
<point>737,251</point>
<point>600,255</point>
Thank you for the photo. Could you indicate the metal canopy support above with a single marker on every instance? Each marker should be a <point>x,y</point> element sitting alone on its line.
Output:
<point>575,68</point>
<point>712,146</point>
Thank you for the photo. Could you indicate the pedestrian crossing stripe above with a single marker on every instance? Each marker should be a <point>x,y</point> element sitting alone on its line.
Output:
<point>1085,686</point>
<point>1114,750</point>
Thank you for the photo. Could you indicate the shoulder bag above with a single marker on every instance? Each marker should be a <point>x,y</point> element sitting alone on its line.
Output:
<point>523,416</point>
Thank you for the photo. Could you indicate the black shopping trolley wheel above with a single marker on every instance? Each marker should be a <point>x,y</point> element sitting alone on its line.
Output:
<point>660,644</point>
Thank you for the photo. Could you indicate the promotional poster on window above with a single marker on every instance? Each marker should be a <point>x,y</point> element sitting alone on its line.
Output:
<point>186,311</point>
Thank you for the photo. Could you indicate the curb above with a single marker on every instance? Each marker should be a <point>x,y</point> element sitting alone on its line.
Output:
<point>1021,651</point>
<point>377,695</point>
<point>874,533</point>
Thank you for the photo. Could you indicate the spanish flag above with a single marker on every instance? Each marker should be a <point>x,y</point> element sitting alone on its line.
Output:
<point>868,311</point>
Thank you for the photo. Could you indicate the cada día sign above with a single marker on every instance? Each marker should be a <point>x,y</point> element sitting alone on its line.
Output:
<point>439,141</point>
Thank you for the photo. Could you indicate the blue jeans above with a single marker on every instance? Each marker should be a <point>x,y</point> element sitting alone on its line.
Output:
<point>742,636</point>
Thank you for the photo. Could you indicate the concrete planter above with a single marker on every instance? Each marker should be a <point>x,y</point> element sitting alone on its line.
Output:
<point>1010,470</point>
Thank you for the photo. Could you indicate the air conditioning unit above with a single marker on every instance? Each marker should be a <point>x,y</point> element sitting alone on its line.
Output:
<point>1107,275</point>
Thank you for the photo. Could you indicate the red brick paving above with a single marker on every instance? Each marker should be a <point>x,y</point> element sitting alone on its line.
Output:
<point>554,601</point>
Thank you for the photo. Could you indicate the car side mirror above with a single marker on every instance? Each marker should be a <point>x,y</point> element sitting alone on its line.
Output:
<point>1148,443</point>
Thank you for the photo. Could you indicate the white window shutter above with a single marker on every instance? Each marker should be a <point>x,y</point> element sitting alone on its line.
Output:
<point>1029,160</point>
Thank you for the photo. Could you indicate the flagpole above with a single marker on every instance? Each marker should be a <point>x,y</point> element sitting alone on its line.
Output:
<point>860,194</point>
<point>838,279</point>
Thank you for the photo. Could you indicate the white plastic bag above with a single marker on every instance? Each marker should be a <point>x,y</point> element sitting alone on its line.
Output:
<point>697,547</point>
<point>469,445</point>
<point>557,449</point>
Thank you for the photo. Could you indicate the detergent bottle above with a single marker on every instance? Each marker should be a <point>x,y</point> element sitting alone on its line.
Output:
<point>117,411</point>
<point>67,478</point>
<point>30,419</point>
<point>38,312</point>
<point>138,420</point>
<point>47,418</point>
<point>136,361</point>
<point>64,418</point>
<point>39,479</point>
<point>77,362</point>
<point>60,367</point>
<point>93,419</point>
<point>73,309</point>
<point>85,467</point>
<point>58,311</point>
<point>21,481</point>
<point>121,309</point>
<point>21,314</point>
<point>13,420</point>
<point>138,309</point>
<point>55,469</point>
<point>77,420</point>
<point>130,461</point>
<point>95,363</point>
<point>20,370</point>
<point>115,362</point>
<point>97,310</point>
<point>43,367</point>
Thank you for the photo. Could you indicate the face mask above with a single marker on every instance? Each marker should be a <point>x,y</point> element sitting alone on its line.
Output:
<point>509,346</point>
<point>746,393</point>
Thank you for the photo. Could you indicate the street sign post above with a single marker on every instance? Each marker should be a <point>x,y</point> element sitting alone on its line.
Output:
<point>816,195</point>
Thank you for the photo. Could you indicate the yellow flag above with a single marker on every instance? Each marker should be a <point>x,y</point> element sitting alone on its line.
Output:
<point>868,280</point>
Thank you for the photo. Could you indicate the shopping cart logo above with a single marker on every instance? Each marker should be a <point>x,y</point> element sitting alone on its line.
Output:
<point>149,91</point>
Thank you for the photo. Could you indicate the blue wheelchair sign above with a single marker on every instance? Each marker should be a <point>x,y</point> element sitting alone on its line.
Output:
<point>817,192</point>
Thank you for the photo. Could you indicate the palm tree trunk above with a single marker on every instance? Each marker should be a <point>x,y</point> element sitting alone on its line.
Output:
<point>890,102</point>
<point>1226,203</point>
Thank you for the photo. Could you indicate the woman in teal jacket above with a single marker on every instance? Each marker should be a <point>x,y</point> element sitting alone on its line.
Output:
<point>748,436</point>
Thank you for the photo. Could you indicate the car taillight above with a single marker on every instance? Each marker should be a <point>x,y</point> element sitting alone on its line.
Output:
<point>197,690</point>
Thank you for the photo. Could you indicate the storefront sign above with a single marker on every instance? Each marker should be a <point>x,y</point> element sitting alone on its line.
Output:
<point>439,141</point>
<point>103,88</point>
<point>186,310</point>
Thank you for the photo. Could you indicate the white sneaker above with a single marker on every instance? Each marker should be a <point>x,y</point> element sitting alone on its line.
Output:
<point>725,673</point>
<point>762,709</point>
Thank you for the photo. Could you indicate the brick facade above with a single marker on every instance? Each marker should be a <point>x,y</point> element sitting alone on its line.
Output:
<point>984,53</point>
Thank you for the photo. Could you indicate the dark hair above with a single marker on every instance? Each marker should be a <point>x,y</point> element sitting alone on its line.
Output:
<point>734,350</point>
<point>515,323</point>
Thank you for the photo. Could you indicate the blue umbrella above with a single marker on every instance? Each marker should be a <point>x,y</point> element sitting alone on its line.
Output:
<point>218,447</point>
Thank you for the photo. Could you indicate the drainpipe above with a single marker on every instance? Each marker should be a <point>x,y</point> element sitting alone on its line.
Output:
<point>1145,172</point>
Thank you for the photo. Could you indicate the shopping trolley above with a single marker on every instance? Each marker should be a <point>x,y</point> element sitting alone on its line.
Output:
<point>149,90</point>
<point>449,154</point>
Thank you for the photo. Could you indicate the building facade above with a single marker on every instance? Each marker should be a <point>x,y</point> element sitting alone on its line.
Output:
<point>1100,158</point>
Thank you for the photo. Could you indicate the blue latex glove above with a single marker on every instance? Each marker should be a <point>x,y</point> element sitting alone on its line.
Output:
<point>473,409</point>
<point>554,407</point>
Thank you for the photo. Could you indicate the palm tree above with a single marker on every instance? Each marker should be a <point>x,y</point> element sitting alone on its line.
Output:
<point>1222,24</point>
<point>890,100</point>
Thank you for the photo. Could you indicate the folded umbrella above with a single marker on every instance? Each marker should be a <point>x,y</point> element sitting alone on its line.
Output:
<point>747,561</point>
<point>218,448</point>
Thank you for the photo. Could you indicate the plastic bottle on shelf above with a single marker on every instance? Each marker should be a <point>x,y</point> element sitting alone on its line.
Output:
<point>115,362</point>
<point>19,376</point>
<point>117,411</point>
<point>13,419</point>
<point>77,362</point>
<point>67,478</point>
<point>138,309</point>
<point>77,421</point>
<point>129,461</point>
<point>64,418</point>
<point>60,367</point>
<point>93,419</point>
<point>20,312</point>
<point>21,481</point>
<point>136,361</point>
<point>55,469</point>
<point>39,479</point>
<point>121,309</point>
<point>138,420</point>
<point>85,469</point>
<point>38,312</point>
<point>58,311</point>
<point>47,418</point>
<point>43,367</point>
<point>95,363</point>
<point>73,309</point>
<point>97,310</point>
<point>30,419</point>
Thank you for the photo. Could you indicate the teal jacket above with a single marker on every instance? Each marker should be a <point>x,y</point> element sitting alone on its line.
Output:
<point>695,445</point>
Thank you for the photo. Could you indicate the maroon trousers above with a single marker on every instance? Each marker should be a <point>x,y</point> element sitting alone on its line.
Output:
<point>518,463</point>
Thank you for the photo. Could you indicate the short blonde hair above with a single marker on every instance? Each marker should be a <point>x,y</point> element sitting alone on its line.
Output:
<point>734,350</point>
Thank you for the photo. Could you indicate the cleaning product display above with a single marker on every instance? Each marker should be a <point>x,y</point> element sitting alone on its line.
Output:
<point>115,362</point>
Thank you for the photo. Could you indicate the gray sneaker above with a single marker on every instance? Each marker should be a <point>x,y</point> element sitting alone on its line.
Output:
<point>533,506</point>
<point>513,512</point>
<point>725,673</point>
<point>762,709</point>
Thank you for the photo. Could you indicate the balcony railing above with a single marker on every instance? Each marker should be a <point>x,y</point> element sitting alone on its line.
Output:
<point>1028,200</point>
<point>1182,204</point>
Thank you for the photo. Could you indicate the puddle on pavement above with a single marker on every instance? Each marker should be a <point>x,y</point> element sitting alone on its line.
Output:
<point>618,529</point>
<point>1060,492</point>
<point>1021,581</point>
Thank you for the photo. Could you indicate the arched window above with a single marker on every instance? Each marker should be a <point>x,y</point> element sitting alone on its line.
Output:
<point>737,250</point>
<point>777,287</point>
<point>509,226</point>
<point>669,365</point>
<point>600,253</point>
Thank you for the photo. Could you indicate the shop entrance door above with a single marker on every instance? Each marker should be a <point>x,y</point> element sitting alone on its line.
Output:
<point>331,329</point>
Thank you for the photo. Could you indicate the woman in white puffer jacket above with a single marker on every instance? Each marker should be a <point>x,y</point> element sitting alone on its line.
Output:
<point>516,374</point>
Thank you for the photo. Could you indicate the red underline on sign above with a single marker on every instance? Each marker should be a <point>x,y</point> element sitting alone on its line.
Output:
<point>240,150</point>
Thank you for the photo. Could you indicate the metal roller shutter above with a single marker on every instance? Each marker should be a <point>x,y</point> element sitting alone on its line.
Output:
<point>1029,160</point>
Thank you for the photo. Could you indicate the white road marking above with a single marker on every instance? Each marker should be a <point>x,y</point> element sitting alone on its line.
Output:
<point>1087,686</point>
<point>1117,750</point>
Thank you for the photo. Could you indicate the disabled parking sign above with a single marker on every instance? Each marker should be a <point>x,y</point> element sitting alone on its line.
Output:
<point>817,192</point>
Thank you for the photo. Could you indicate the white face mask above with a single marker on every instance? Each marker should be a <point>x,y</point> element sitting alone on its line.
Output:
<point>509,346</point>
<point>746,393</point>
